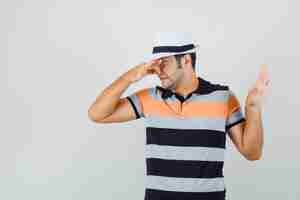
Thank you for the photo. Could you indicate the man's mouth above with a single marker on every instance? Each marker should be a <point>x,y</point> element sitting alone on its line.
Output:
<point>163,77</point>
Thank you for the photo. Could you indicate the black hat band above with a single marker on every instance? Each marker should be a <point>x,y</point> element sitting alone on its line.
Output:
<point>172,49</point>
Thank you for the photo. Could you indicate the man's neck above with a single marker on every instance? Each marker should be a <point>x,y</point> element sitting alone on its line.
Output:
<point>187,86</point>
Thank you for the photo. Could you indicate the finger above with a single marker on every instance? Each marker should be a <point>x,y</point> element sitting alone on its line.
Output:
<point>153,69</point>
<point>150,70</point>
<point>153,66</point>
<point>149,63</point>
<point>156,69</point>
<point>264,76</point>
<point>158,61</point>
<point>263,79</point>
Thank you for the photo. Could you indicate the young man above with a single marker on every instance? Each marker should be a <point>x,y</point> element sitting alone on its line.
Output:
<point>187,119</point>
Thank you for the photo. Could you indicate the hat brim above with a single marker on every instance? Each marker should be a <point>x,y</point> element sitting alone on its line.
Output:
<point>161,55</point>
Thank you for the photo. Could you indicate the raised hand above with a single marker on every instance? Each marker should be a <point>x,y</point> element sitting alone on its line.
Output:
<point>258,92</point>
<point>143,69</point>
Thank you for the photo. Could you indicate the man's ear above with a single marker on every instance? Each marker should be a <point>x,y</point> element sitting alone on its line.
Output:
<point>187,59</point>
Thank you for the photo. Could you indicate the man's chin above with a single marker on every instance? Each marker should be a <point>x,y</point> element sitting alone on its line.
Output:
<point>166,85</point>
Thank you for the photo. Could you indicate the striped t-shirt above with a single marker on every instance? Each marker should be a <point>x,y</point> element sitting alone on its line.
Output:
<point>185,140</point>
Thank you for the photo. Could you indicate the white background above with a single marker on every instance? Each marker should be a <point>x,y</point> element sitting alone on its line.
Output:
<point>57,56</point>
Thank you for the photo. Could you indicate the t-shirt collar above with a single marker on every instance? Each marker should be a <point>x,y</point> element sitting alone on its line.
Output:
<point>203,86</point>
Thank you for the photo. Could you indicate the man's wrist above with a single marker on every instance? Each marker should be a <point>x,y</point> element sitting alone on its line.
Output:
<point>253,108</point>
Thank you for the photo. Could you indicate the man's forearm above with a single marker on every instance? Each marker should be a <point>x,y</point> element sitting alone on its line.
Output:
<point>253,132</point>
<point>108,99</point>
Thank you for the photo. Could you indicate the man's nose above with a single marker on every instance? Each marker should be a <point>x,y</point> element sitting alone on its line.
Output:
<point>161,67</point>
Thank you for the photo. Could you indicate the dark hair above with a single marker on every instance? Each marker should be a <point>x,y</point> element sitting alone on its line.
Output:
<point>193,56</point>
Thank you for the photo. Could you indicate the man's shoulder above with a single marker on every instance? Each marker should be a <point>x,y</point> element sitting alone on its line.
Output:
<point>144,92</point>
<point>214,85</point>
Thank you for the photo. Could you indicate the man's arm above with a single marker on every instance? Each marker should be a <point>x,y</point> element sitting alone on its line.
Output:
<point>109,107</point>
<point>247,136</point>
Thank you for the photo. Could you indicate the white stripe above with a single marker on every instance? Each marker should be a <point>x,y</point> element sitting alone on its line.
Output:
<point>186,122</point>
<point>185,184</point>
<point>184,153</point>
<point>234,117</point>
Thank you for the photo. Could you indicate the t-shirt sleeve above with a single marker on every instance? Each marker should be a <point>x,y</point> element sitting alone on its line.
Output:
<point>137,101</point>
<point>235,114</point>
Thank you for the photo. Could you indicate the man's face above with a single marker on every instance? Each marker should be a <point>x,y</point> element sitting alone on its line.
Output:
<point>170,72</point>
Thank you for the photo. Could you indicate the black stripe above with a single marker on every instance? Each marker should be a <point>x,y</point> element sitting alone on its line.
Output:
<point>231,125</point>
<point>184,168</point>
<point>134,108</point>
<point>176,49</point>
<point>152,194</point>
<point>186,137</point>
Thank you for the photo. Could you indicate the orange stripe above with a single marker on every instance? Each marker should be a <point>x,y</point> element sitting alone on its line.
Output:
<point>233,104</point>
<point>189,109</point>
<point>143,96</point>
<point>209,109</point>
